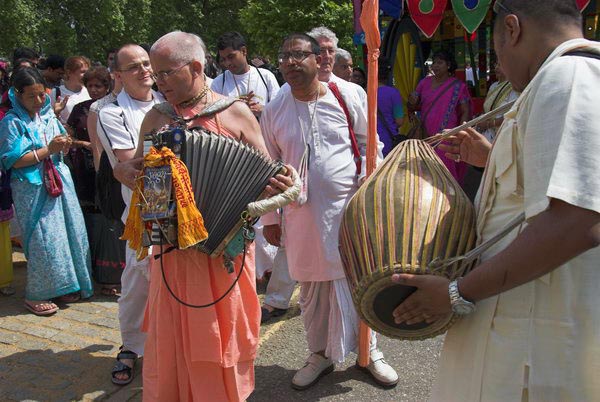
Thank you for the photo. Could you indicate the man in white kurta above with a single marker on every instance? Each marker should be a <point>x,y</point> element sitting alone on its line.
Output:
<point>537,341</point>
<point>240,79</point>
<point>314,124</point>
<point>543,335</point>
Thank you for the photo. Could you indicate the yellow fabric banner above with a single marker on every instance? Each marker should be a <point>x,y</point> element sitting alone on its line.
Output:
<point>190,224</point>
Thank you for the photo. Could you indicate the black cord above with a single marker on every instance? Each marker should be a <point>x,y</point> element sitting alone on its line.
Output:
<point>162,268</point>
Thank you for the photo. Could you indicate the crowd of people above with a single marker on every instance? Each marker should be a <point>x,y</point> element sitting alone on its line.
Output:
<point>72,149</point>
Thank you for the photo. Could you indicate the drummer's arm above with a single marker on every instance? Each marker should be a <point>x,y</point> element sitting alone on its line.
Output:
<point>538,250</point>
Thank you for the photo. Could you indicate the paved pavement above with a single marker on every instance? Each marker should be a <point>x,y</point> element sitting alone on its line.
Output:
<point>68,356</point>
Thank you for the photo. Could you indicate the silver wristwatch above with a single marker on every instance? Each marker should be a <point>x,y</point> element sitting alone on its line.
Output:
<point>460,306</point>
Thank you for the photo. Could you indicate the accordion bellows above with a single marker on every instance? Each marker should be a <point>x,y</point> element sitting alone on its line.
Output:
<point>226,175</point>
<point>409,217</point>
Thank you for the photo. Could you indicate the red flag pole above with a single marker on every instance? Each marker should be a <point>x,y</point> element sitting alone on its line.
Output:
<point>369,19</point>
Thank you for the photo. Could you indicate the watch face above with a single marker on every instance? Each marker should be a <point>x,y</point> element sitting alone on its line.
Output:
<point>463,308</point>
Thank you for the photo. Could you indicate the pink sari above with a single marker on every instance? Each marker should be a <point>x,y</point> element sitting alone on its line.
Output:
<point>204,354</point>
<point>441,108</point>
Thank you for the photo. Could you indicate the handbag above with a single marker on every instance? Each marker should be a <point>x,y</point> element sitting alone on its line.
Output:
<point>50,176</point>
<point>108,190</point>
<point>52,180</point>
<point>108,251</point>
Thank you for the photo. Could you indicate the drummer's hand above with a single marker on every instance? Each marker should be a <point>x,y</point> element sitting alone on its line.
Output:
<point>428,303</point>
<point>127,172</point>
<point>468,146</point>
<point>280,182</point>
<point>272,234</point>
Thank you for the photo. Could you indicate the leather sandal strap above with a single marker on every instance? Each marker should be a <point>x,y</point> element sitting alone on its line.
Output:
<point>121,367</point>
<point>127,354</point>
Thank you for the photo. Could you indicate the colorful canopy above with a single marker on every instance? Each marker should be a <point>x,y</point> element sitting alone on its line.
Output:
<point>582,4</point>
<point>393,8</point>
<point>428,14</point>
<point>471,13</point>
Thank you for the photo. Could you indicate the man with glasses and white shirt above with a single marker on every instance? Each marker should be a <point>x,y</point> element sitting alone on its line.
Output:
<point>118,130</point>
<point>306,126</point>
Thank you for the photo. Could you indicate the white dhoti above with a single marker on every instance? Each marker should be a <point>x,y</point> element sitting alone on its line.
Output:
<point>330,319</point>
<point>281,286</point>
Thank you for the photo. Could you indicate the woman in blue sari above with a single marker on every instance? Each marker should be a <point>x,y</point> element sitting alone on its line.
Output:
<point>54,236</point>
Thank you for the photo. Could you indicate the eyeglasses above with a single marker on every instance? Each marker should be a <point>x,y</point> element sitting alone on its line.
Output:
<point>498,7</point>
<point>296,55</point>
<point>163,75</point>
<point>134,68</point>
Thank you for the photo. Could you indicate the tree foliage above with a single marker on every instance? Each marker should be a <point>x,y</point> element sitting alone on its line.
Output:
<point>267,22</point>
<point>71,27</point>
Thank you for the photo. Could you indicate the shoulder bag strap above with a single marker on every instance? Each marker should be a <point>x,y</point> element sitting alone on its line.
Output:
<point>336,92</point>
<point>500,90</point>
<point>264,82</point>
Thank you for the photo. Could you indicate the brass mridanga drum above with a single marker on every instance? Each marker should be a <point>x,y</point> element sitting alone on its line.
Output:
<point>410,216</point>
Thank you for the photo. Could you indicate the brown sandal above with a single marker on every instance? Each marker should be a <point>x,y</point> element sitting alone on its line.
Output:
<point>69,298</point>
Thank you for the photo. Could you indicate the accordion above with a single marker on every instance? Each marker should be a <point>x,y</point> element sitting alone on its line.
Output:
<point>226,175</point>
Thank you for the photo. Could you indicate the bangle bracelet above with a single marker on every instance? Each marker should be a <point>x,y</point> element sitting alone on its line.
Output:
<point>36,156</point>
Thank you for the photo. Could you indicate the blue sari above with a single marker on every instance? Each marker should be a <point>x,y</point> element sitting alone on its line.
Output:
<point>54,235</point>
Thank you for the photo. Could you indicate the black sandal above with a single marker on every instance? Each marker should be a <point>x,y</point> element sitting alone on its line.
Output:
<point>266,315</point>
<point>121,367</point>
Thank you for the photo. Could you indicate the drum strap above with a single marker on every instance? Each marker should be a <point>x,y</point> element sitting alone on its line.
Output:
<point>477,251</point>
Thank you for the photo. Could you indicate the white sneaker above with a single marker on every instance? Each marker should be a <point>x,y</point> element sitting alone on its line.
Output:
<point>382,373</point>
<point>316,367</point>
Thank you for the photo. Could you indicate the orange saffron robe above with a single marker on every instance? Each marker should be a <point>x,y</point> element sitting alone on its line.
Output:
<point>204,354</point>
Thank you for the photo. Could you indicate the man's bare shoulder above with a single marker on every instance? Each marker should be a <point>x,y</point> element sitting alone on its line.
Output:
<point>237,115</point>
